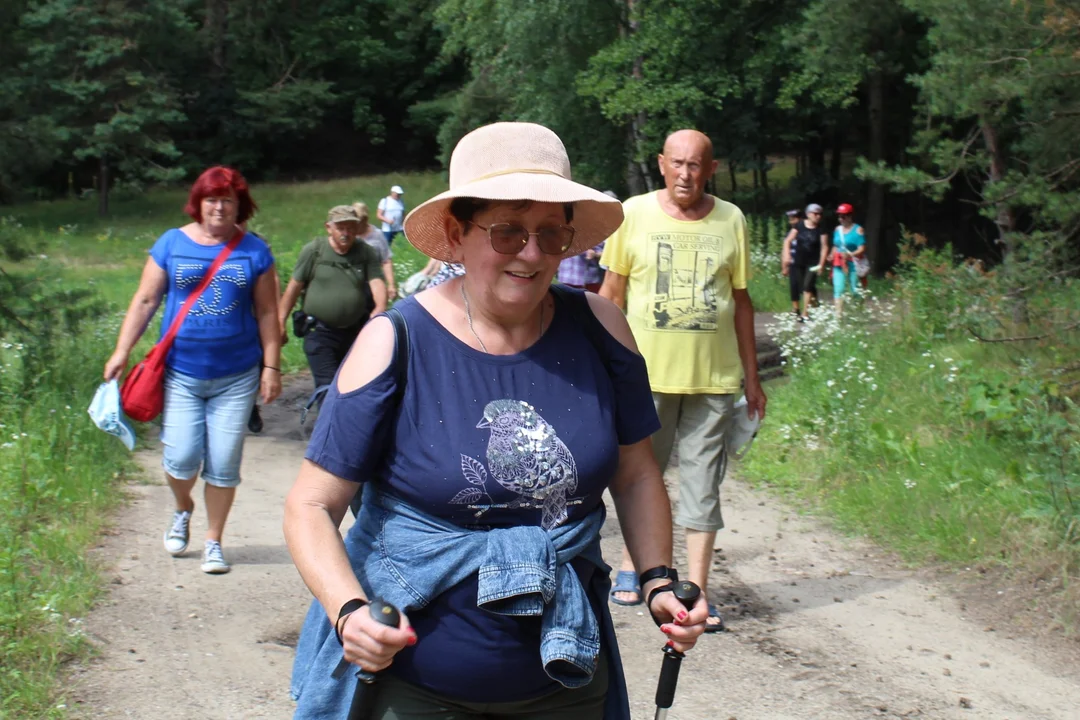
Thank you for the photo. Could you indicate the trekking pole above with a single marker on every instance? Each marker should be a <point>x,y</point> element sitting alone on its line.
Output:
<point>363,701</point>
<point>687,593</point>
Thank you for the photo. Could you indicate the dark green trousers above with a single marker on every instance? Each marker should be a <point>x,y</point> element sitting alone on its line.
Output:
<point>399,700</point>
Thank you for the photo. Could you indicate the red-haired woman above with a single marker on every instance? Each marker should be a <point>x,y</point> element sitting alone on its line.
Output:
<point>213,369</point>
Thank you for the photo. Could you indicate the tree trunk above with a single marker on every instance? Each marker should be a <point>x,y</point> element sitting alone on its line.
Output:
<point>764,160</point>
<point>635,184</point>
<point>214,23</point>
<point>875,206</point>
<point>637,124</point>
<point>1005,218</point>
<point>103,186</point>
<point>756,174</point>
<point>837,154</point>
<point>643,167</point>
<point>731,174</point>
<point>815,156</point>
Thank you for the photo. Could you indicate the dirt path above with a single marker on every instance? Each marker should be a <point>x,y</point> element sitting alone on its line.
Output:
<point>819,627</point>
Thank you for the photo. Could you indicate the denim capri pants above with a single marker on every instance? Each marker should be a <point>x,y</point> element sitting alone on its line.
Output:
<point>203,425</point>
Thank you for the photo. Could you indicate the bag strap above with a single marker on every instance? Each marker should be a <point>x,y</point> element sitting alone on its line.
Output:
<point>401,352</point>
<point>335,263</point>
<point>401,374</point>
<point>578,304</point>
<point>170,336</point>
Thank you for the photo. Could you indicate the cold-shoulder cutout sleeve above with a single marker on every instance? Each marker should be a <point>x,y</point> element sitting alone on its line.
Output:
<point>355,423</point>
<point>635,413</point>
<point>353,429</point>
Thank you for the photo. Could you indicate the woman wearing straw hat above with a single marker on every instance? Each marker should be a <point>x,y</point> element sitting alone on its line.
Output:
<point>483,478</point>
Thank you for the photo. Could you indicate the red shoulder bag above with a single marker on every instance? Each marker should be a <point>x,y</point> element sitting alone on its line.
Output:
<point>143,393</point>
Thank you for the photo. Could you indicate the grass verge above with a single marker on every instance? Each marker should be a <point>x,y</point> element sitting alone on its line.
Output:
<point>58,486</point>
<point>933,444</point>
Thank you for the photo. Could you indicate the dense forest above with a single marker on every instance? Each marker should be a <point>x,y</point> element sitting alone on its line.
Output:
<point>956,119</point>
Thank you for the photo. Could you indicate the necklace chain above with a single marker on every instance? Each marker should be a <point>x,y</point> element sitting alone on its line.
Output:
<point>468,316</point>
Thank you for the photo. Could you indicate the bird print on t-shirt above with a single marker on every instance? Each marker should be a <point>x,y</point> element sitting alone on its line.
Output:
<point>525,456</point>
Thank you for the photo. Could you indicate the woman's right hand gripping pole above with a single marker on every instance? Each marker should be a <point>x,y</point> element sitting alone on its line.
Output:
<point>370,644</point>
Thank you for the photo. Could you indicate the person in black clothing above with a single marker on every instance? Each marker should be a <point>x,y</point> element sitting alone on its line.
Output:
<point>793,217</point>
<point>805,250</point>
<point>342,284</point>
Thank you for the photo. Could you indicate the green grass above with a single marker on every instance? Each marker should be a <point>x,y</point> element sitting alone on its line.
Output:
<point>58,486</point>
<point>782,172</point>
<point>82,250</point>
<point>933,445</point>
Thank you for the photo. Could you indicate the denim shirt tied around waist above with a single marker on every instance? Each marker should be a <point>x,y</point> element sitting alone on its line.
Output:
<point>408,557</point>
<point>523,571</point>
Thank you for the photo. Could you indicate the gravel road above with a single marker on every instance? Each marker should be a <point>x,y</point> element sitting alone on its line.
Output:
<point>819,626</point>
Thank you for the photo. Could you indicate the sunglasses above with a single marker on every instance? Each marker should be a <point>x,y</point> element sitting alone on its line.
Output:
<point>510,239</point>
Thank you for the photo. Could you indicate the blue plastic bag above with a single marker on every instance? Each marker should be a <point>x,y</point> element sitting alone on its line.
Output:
<point>106,413</point>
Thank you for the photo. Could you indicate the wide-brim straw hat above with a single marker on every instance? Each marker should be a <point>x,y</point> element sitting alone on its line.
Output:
<point>513,161</point>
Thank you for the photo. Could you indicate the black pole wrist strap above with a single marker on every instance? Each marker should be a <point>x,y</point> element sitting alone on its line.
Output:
<point>660,571</point>
<point>670,587</point>
<point>347,609</point>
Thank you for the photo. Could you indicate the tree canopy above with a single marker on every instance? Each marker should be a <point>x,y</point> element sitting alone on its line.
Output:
<point>955,118</point>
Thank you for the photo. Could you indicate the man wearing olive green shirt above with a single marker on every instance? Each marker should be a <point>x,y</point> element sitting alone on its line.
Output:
<point>342,285</point>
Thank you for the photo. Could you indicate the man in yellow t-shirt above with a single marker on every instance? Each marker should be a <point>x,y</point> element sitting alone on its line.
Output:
<point>679,266</point>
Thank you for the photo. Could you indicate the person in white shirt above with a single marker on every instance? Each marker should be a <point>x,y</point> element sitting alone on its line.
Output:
<point>391,211</point>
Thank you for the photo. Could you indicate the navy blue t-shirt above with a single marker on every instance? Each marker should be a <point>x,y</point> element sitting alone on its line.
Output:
<point>220,335</point>
<point>489,441</point>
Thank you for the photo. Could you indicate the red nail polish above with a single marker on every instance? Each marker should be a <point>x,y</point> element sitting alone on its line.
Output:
<point>682,615</point>
<point>665,629</point>
<point>671,643</point>
<point>411,641</point>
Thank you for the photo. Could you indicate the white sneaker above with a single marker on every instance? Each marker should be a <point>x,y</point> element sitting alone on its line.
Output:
<point>176,537</point>
<point>213,561</point>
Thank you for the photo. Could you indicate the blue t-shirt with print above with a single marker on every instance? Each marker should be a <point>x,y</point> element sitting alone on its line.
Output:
<point>489,441</point>
<point>220,335</point>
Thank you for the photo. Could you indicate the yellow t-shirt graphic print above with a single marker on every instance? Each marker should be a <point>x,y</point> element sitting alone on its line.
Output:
<point>679,304</point>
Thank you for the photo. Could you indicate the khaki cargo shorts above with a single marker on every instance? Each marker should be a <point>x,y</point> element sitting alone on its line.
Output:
<point>699,422</point>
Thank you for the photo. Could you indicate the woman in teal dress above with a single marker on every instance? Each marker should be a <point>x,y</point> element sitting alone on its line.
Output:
<point>849,245</point>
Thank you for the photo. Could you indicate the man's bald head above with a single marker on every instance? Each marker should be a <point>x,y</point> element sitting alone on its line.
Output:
<point>687,164</point>
<point>690,141</point>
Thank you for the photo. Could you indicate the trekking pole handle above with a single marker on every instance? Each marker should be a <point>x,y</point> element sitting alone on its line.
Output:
<point>688,594</point>
<point>363,701</point>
